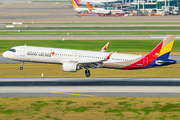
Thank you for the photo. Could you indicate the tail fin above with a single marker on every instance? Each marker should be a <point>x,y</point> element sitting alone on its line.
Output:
<point>162,50</point>
<point>74,4</point>
<point>158,56</point>
<point>167,46</point>
<point>77,2</point>
<point>89,6</point>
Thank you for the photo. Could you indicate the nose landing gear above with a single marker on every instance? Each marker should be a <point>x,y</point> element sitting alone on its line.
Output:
<point>21,68</point>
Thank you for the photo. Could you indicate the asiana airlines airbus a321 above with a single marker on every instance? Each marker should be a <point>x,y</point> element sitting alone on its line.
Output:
<point>74,60</point>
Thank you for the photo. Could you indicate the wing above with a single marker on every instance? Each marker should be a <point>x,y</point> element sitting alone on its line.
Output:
<point>94,64</point>
<point>105,47</point>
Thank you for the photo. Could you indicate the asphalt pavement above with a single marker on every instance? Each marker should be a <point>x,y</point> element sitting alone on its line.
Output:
<point>106,29</point>
<point>90,87</point>
<point>87,25</point>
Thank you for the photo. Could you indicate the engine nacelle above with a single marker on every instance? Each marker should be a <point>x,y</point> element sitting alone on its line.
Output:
<point>70,67</point>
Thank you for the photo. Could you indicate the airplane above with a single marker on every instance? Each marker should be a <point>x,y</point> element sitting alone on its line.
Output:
<point>104,11</point>
<point>79,9</point>
<point>92,8</point>
<point>74,60</point>
<point>94,2</point>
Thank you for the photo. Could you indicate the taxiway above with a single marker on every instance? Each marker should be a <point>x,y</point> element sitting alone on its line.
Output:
<point>89,87</point>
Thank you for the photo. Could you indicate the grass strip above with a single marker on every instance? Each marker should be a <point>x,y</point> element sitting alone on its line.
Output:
<point>90,33</point>
<point>110,23</point>
<point>94,108</point>
<point>132,27</point>
<point>53,70</point>
<point>93,45</point>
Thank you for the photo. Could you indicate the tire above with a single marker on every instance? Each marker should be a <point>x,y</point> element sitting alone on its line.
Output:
<point>87,74</point>
<point>21,68</point>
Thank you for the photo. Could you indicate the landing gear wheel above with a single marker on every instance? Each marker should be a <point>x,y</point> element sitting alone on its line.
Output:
<point>21,68</point>
<point>87,73</point>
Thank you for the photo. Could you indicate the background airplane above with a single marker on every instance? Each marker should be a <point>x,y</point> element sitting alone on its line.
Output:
<point>79,9</point>
<point>74,60</point>
<point>92,8</point>
<point>104,11</point>
<point>93,2</point>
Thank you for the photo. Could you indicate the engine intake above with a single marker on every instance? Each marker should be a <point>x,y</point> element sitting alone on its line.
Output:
<point>70,67</point>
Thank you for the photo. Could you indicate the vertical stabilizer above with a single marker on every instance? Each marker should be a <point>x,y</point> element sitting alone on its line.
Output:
<point>158,56</point>
<point>77,2</point>
<point>89,6</point>
<point>74,4</point>
<point>163,50</point>
<point>167,46</point>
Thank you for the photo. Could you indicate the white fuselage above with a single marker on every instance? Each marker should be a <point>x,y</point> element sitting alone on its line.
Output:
<point>107,11</point>
<point>81,9</point>
<point>95,2</point>
<point>59,56</point>
<point>98,1</point>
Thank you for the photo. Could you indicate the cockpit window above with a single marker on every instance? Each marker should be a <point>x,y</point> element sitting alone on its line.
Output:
<point>12,50</point>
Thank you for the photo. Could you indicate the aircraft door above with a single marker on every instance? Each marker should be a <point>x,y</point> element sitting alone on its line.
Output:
<point>22,51</point>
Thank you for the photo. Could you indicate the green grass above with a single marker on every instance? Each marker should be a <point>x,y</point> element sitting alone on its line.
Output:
<point>90,33</point>
<point>118,108</point>
<point>38,105</point>
<point>32,70</point>
<point>110,23</point>
<point>132,27</point>
<point>79,109</point>
<point>94,45</point>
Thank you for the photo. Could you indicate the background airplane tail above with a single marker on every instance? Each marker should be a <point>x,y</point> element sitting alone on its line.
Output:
<point>77,2</point>
<point>89,6</point>
<point>74,4</point>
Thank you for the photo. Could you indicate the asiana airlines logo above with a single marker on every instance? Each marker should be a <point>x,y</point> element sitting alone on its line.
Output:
<point>41,54</point>
<point>52,53</point>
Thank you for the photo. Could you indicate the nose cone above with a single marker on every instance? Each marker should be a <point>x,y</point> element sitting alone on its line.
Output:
<point>5,54</point>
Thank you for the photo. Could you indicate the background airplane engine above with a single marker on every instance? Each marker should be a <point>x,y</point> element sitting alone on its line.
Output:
<point>70,67</point>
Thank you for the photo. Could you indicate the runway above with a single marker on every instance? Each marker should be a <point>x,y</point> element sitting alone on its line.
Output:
<point>84,37</point>
<point>89,87</point>
<point>88,25</point>
<point>105,29</point>
<point>4,60</point>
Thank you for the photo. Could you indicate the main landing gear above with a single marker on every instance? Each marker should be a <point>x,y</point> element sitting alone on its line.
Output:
<point>87,73</point>
<point>21,68</point>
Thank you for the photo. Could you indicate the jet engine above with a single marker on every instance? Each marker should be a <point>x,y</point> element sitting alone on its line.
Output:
<point>70,67</point>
